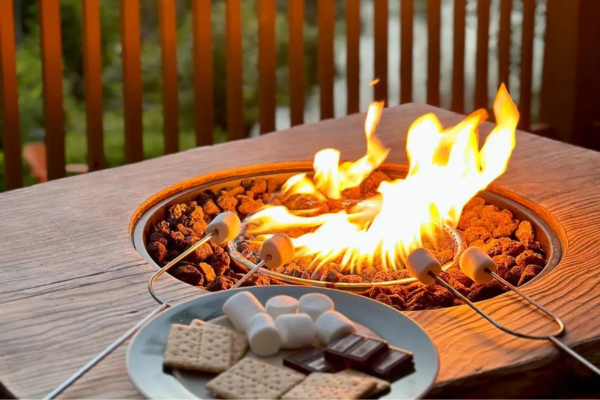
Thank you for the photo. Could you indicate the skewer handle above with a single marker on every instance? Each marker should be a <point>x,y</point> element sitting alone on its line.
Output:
<point>574,354</point>
<point>226,226</point>
<point>104,353</point>
<point>492,321</point>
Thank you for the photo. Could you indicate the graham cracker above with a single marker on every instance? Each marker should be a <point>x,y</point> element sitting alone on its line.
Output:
<point>381,386</point>
<point>197,348</point>
<point>331,386</point>
<point>215,349</point>
<point>254,379</point>
<point>239,342</point>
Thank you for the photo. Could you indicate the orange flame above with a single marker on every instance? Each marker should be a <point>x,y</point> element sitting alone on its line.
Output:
<point>446,170</point>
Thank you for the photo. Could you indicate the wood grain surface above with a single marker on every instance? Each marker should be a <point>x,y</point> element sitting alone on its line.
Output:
<point>71,281</point>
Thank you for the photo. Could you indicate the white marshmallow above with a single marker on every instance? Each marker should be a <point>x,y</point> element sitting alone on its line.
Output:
<point>240,307</point>
<point>315,304</point>
<point>474,261</point>
<point>295,330</point>
<point>332,325</point>
<point>280,305</point>
<point>263,336</point>
<point>420,262</point>
<point>277,250</point>
<point>224,227</point>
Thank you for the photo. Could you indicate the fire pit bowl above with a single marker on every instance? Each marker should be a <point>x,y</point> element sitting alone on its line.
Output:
<point>154,210</point>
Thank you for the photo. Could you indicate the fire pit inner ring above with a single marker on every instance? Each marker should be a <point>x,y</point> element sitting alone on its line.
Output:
<point>150,214</point>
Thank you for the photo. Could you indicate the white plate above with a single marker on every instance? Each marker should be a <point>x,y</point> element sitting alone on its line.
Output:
<point>145,354</point>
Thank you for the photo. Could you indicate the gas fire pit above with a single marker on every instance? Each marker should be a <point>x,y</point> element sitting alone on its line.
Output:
<point>519,261</point>
<point>354,223</point>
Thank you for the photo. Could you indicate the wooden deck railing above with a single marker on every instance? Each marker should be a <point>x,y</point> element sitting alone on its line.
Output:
<point>54,117</point>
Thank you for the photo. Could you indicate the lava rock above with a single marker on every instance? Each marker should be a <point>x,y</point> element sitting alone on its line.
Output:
<point>162,227</point>
<point>529,273</point>
<point>382,298</point>
<point>201,254</point>
<point>257,280</point>
<point>207,272</point>
<point>397,301</point>
<point>351,279</point>
<point>189,274</point>
<point>157,251</point>
<point>504,260</point>
<point>172,254</point>
<point>227,203</point>
<point>476,233</point>
<point>511,247</point>
<point>486,291</point>
<point>529,257</point>
<point>158,237</point>
<point>514,275</point>
<point>525,232</point>
<point>220,283</point>
<point>220,262</point>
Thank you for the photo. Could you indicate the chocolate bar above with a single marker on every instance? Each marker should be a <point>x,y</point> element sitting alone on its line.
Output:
<point>311,359</point>
<point>355,350</point>
<point>390,365</point>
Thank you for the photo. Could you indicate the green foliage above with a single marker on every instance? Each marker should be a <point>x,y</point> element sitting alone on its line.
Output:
<point>29,73</point>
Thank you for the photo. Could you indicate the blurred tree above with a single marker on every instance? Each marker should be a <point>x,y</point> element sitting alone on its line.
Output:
<point>30,80</point>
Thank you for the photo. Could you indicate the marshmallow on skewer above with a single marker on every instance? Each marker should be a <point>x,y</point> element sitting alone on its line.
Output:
<point>315,304</point>
<point>224,227</point>
<point>263,336</point>
<point>295,330</point>
<point>281,305</point>
<point>332,325</point>
<point>277,250</point>
<point>240,307</point>
<point>474,262</point>
<point>420,262</point>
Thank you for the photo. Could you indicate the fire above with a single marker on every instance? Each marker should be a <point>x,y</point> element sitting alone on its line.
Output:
<point>446,170</point>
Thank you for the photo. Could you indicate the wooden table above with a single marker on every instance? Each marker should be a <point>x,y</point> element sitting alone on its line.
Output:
<point>71,281</point>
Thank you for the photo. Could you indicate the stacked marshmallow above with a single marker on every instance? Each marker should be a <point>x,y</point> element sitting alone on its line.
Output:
<point>285,322</point>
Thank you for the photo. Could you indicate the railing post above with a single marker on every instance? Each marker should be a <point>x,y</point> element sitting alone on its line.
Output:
<point>132,80</point>
<point>326,69</point>
<point>167,18</point>
<point>235,96</point>
<point>570,96</point>
<point>92,75</point>
<point>204,107</point>
<point>9,100</point>
<point>296,60</point>
<point>54,114</point>
<point>407,11</point>
<point>434,14</point>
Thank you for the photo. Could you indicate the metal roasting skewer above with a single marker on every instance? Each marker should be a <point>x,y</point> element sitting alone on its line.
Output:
<point>229,222</point>
<point>250,273</point>
<point>163,306</point>
<point>552,338</point>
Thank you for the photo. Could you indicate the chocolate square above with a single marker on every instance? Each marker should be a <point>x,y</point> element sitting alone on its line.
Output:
<point>355,349</point>
<point>390,365</point>
<point>311,359</point>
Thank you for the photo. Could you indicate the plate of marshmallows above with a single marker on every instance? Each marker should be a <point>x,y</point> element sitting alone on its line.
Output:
<point>282,342</point>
